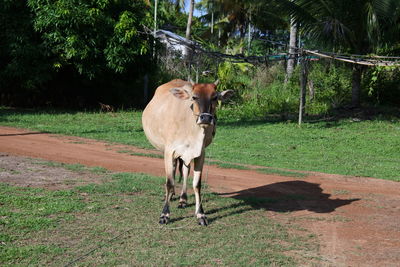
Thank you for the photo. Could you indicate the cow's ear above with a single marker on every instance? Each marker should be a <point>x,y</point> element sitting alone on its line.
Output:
<point>225,95</point>
<point>183,92</point>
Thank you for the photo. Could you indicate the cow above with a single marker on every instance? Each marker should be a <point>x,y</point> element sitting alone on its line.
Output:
<point>180,120</point>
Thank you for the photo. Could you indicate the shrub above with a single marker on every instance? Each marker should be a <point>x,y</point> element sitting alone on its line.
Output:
<point>383,84</point>
<point>329,87</point>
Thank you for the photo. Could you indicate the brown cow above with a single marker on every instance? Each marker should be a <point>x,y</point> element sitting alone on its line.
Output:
<point>180,121</point>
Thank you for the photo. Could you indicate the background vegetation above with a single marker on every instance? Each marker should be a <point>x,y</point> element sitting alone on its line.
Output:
<point>59,59</point>
<point>77,54</point>
<point>73,53</point>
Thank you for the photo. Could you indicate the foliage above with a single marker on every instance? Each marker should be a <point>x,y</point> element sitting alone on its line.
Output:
<point>232,17</point>
<point>384,85</point>
<point>77,53</point>
<point>329,88</point>
<point>356,26</point>
<point>234,76</point>
<point>330,85</point>
<point>24,61</point>
<point>92,34</point>
<point>170,17</point>
<point>74,53</point>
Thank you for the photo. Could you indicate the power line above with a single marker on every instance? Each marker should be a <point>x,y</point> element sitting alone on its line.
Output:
<point>366,60</point>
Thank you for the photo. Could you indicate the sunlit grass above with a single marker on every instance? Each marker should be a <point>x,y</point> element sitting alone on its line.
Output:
<point>116,223</point>
<point>359,148</point>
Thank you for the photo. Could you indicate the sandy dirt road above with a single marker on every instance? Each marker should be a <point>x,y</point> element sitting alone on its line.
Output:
<point>356,220</point>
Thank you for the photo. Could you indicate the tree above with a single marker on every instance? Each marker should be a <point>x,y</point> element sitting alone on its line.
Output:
<point>92,35</point>
<point>232,18</point>
<point>25,63</point>
<point>292,50</point>
<point>187,52</point>
<point>356,27</point>
<point>190,20</point>
<point>73,53</point>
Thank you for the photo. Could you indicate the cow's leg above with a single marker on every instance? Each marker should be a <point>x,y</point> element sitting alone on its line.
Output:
<point>170,164</point>
<point>185,173</point>
<point>198,167</point>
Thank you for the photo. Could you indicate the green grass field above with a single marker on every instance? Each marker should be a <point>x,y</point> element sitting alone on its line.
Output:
<point>368,148</point>
<point>116,223</point>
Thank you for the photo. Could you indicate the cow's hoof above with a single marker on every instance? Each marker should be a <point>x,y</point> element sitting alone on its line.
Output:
<point>203,221</point>
<point>182,205</point>
<point>164,219</point>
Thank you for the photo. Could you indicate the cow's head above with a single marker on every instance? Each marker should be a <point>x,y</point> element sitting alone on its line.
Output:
<point>204,98</point>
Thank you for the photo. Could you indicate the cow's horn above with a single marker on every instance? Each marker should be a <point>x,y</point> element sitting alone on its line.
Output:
<point>216,82</point>
<point>191,81</point>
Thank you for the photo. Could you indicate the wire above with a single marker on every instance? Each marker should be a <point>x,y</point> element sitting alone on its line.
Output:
<point>368,60</point>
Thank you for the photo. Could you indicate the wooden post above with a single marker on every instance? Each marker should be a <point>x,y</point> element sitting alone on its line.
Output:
<point>303,86</point>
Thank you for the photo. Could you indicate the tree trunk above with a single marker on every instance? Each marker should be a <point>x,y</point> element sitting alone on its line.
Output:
<point>189,28</point>
<point>292,51</point>
<point>190,19</point>
<point>356,86</point>
<point>249,35</point>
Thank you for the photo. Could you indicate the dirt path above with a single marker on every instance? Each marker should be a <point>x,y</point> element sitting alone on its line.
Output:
<point>357,220</point>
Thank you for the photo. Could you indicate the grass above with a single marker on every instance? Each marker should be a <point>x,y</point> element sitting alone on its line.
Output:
<point>71,167</point>
<point>350,147</point>
<point>116,223</point>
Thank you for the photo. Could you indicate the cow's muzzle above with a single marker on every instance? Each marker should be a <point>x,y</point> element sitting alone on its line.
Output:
<point>205,119</point>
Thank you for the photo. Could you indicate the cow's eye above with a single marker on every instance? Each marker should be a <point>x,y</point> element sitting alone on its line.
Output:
<point>214,98</point>
<point>195,98</point>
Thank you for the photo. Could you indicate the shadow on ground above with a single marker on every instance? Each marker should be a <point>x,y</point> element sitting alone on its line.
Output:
<point>18,134</point>
<point>283,197</point>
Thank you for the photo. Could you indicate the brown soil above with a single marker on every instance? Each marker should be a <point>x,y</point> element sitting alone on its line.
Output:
<point>27,172</point>
<point>357,220</point>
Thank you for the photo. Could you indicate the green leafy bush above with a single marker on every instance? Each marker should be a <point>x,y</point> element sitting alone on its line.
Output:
<point>235,76</point>
<point>92,34</point>
<point>265,93</point>
<point>329,87</point>
<point>383,84</point>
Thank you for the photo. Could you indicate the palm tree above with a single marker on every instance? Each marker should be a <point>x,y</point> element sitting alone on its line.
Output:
<point>233,17</point>
<point>292,44</point>
<point>187,52</point>
<point>190,20</point>
<point>356,27</point>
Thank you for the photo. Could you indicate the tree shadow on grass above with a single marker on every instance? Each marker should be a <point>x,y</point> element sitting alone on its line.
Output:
<point>24,133</point>
<point>334,118</point>
<point>282,197</point>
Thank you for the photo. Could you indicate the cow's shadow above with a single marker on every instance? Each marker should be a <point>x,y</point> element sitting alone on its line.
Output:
<point>286,196</point>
